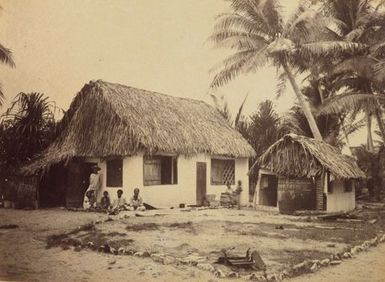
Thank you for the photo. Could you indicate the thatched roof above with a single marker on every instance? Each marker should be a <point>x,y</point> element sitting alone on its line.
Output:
<point>107,119</point>
<point>300,156</point>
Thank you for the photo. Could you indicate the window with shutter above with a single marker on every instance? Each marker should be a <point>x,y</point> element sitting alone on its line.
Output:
<point>160,170</point>
<point>115,173</point>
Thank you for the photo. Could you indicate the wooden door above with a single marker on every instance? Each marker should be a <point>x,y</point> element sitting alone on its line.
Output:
<point>78,182</point>
<point>201,182</point>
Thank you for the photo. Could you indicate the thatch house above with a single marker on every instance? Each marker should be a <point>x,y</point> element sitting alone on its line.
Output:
<point>305,174</point>
<point>176,150</point>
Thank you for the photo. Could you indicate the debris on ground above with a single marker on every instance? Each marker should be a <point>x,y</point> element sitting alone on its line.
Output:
<point>374,206</point>
<point>250,260</point>
<point>9,226</point>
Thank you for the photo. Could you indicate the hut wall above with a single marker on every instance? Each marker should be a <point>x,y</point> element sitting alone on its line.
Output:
<point>339,200</point>
<point>295,194</point>
<point>174,194</point>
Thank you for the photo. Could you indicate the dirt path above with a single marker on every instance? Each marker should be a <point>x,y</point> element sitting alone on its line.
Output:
<point>368,266</point>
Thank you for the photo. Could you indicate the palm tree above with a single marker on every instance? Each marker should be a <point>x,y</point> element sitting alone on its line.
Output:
<point>255,29</point>
<point>223,108</point>
<point>354,76</point>
<point>27,128</point>
<point>5,58</point>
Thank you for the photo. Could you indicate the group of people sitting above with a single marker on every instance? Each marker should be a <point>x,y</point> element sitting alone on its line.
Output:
<point>232,198</point>
<point>119,204</point>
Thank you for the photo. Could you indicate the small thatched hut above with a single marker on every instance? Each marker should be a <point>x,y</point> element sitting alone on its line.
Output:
<point>309,174</point>
<point>176,150</point>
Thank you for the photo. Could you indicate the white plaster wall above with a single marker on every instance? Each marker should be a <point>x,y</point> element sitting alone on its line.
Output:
<point>340,200</point>
<point>171,195</point>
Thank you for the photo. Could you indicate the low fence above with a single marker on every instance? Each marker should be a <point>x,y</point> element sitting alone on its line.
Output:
<point>20,191</point>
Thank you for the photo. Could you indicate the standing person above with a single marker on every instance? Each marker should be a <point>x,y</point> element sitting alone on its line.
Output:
<point>136,201</point>
<point>94,180</point>
<point>237,193</point>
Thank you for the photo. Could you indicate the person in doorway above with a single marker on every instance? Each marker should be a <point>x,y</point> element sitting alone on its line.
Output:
<point>237,194</point>
<point>120,203</point>
<point>105,202</point>
<point>136,201</point>
<point>94,180</point>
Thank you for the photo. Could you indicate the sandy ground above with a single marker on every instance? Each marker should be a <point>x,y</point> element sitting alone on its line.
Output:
<point>24,256</point>
<point>368,266</point>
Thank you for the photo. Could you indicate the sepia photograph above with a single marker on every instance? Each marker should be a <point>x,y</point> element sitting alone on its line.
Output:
<point>192,140</point>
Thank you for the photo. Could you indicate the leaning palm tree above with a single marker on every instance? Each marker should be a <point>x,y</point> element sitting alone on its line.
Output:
<point>357,21</point>
<point>255,29</point>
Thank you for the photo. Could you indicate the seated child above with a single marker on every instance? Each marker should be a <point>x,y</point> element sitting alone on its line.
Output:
<point>89,200</point>
<point>105,202</point>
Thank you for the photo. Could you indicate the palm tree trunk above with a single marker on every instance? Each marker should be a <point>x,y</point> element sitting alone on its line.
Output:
<point>305,107</point>
<point>380,123</point>
<point>369,144</point>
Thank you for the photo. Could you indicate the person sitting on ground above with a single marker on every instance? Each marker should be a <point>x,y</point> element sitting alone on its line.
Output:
<point>120,203</point>
<point>105,202</point>
<point>89,200</point>
<point>136,201</point>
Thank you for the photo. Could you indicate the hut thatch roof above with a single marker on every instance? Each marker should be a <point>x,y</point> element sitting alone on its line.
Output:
<point>300,156</point>
<point>107,119</point>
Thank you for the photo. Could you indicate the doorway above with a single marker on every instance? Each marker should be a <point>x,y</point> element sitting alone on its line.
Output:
<point>201,183</point>
<point>78,182</point>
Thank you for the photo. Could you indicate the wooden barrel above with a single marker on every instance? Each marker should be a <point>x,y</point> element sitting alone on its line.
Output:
<point>295,194</point>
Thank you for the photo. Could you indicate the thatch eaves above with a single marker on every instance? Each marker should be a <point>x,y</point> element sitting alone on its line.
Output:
<point>107,119</point>
<point>300,156</point>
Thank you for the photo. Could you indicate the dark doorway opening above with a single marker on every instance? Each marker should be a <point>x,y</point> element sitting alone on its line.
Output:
<point>268,193</point>
<point>201,183</point>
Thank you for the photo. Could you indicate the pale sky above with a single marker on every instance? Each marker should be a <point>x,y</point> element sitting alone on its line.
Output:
<point>158,45</point>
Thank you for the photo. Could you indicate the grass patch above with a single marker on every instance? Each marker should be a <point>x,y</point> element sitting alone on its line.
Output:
<point>293,257</point>
<point>142,226</point>
<point>55,240</point>
<point>113,234</point>
<point>9,226</point>
<point>187,224</point>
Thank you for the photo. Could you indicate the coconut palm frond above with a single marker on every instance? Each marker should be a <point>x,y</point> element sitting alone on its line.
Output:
<point>237,64</point>
<point>239,113</point>
<point>355,34</point>
<point>349,102</point>
<point>361,65</point>
<point>377,49</point>
<point>327,48</point>
<point>265,14</point>
<point>379,71</point>
<point>6,56</point>
<point>234,21</point>
<point>281,85</point>
<point>238,40</point>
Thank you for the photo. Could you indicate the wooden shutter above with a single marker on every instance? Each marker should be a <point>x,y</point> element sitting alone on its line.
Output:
<point>152,171</point>
<point>115,173</point>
